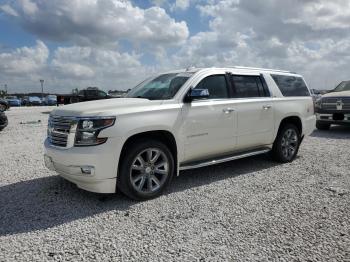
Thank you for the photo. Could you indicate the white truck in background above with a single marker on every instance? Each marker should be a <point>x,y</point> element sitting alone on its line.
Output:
<point>175,121</point>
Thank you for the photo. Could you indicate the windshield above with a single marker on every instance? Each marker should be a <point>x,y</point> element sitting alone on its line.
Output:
<point>11,97</point>
<point>161,87</point>
<point>51,96</point>
<point>343,86</point>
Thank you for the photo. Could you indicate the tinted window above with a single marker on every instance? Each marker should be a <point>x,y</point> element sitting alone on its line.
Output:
<point>248,86</point>
<point>101,94</point>
<point>216,86</point>
<point>291,85</point>
<point>161,87</point>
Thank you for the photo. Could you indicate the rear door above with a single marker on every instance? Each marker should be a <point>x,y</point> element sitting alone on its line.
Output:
<point>254,110</point>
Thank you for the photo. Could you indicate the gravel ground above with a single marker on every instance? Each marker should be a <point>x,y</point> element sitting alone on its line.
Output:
<point>247,210</point>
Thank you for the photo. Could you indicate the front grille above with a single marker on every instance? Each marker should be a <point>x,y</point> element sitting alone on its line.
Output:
<point>59,129</point>
<point>336,103</point>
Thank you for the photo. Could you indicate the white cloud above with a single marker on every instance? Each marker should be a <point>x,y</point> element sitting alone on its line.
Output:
<point>70,67</point>
<point>99,22</point>
<point>24,60</point>
<point>181,4</point>
<point>8,10</point>
<point>310,37</point>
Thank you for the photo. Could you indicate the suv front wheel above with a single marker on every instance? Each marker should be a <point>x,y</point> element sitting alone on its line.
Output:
<point>146,169</point>
<point>286,145</point>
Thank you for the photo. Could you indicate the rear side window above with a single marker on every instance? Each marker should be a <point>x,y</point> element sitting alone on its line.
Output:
<point>248,86</point>
<point>216,85</point>
<point>291,85</point>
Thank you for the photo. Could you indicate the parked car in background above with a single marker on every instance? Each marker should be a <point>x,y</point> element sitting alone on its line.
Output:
<point>25,100</point>
<point>333,108</point>
<point>34,101</point>
<point>176,121</point>
<point>3,120</point>
<point>13,101</point>
<point>4,105</point>
<point>50,100</point>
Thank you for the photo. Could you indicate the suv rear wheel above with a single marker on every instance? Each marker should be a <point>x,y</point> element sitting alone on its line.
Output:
<point>322,126</point>
<point>286,145</point>
<point>145,170</point>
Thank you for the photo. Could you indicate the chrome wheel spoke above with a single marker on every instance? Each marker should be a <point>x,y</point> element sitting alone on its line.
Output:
<point>141,160</point>
<point>161,172</point>
<point>156,157</point>
<point>137,178</point>
<point>155,180</point>
<point>149,155</point>
<point>149,184</point>
<point>136,167</point>
<point>142,183</point>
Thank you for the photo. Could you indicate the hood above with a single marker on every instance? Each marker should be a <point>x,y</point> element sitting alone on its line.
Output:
<point>104,107</point>
<point>337,94</point>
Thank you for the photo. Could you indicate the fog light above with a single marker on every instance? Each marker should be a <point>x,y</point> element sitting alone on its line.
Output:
<point>87,170</point>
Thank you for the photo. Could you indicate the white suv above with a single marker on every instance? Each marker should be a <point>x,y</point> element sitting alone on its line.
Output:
<point>178,120</point>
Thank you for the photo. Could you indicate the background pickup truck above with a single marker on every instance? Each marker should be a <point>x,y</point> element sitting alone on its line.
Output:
<point>333,108</point>
<point>175,121</point>
<point>82,96</point>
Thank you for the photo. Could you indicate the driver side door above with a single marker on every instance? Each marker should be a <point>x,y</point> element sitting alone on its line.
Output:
<point>209,126</point>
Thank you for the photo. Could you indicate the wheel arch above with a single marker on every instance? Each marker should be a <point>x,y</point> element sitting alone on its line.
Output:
<point>293,119</point>
<point>163,136</point>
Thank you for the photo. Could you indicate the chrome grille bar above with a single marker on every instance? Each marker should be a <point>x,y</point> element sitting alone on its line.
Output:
<point>61,131</point>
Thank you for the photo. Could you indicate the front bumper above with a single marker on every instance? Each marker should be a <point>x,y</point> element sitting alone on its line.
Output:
<point>333,118</point>
<point>90,168</point>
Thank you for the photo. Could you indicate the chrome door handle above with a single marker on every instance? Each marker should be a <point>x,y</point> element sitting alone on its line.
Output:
<point>266,107</point>
<point>228,110</point>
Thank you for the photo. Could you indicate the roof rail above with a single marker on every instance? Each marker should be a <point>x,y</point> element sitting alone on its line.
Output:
<point>262,69</point>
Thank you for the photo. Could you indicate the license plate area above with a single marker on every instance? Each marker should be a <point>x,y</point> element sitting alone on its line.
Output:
<point>338,117</point>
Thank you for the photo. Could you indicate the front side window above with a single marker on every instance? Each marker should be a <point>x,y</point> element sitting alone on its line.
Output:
<point>291,85</point>
<point>248,86</point>
<point>216,85</point>
<point>161,87</point>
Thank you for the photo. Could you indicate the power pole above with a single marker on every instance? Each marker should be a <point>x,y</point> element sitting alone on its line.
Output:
<point>42,88</point>
<point>5,88</point>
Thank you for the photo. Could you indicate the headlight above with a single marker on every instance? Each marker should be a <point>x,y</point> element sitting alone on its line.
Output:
<point>318,103</point>
<point>89,128</point>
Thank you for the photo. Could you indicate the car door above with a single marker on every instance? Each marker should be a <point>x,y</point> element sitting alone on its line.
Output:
<point>208,127</point>
<point>254,111</point>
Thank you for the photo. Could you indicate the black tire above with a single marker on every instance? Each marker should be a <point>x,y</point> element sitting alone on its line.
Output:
<point>3,108</point>
<point>282,147</point>
<point>127,176</point>
<point>322,126</point>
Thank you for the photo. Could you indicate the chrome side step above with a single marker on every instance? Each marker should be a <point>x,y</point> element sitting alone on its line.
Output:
<point>199,164</point>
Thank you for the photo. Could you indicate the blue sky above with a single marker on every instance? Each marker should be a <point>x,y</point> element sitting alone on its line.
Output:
<point>114,44</point>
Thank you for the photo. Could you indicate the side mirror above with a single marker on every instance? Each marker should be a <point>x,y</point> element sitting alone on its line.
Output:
<point>196,94</point>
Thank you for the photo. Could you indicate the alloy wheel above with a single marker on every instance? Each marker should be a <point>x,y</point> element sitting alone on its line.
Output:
<point>149,170</point>
<point>289,143</point>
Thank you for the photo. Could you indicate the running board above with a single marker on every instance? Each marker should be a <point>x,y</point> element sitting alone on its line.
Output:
<point>199,164</point>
